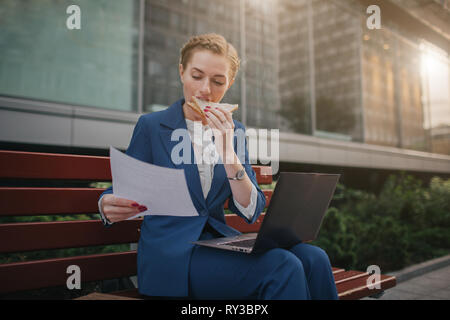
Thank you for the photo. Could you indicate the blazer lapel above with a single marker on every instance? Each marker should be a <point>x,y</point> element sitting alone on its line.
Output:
<point>174,119</point>
<point>218,182</point>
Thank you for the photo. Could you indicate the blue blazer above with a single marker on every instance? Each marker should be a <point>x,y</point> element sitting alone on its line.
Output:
<point>165,247</point>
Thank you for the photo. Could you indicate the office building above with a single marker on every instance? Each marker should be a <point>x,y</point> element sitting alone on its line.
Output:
<point>342,95</point>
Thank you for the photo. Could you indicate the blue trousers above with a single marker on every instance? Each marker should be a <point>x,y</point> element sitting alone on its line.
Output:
<point>301,273</point>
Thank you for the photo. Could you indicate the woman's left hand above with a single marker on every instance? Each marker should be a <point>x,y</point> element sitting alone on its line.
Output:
<point>222,125</point>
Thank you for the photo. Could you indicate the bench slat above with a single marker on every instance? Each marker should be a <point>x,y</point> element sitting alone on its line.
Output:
<point>29,236</point>
<point>56,201</point>
<point>107,296</point>
<point>263,174</point>
<point>268,196</point>
<point>337,270</point>
<point>238,223</point>
<point>52,272</point>
<point>348,276</point>
<point>33,165</point>
<point>357,288</point>
<point>48,201</point>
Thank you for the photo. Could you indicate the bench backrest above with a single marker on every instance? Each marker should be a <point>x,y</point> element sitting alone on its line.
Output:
<point>31,184</point>
<point>38,169</point>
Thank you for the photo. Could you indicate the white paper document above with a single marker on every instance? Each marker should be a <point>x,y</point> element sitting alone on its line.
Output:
<point>163,191</point>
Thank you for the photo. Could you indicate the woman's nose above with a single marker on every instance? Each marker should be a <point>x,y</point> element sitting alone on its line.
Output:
<point>205,89</point>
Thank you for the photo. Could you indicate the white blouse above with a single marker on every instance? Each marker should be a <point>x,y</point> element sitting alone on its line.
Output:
<point>207,157</point>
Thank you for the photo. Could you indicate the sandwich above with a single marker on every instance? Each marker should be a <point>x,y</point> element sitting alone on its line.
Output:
<point>199,106</point>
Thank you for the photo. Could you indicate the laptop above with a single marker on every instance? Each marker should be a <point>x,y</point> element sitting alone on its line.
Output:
<point>295,214</point>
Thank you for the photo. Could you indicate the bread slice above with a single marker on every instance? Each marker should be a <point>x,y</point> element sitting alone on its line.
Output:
<point>197,109</point>
<point>200,105</point>
<point>224,106</point>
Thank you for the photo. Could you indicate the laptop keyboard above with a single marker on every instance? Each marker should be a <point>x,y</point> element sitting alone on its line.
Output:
<point>242,243</point>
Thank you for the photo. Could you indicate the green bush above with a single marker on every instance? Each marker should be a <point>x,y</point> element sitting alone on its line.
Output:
<point>406,223</point>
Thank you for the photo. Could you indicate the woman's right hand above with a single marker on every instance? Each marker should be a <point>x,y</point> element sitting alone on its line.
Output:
<point>118,209</point>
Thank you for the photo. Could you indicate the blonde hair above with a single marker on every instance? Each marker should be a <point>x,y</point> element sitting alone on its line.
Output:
<point>214,43</point>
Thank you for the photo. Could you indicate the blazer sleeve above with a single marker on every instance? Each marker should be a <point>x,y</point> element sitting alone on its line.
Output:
<point>139,148</point>
<point>261,199</point>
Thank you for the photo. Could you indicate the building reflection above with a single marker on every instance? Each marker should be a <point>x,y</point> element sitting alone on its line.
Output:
<point>350,83</point>
<point>310,67</point>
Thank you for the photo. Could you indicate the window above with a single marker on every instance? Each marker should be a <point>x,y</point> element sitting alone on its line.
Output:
<point>159,16</point>
<point>44,60</point>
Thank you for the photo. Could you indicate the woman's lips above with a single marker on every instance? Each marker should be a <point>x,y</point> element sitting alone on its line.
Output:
<point>204,99</point>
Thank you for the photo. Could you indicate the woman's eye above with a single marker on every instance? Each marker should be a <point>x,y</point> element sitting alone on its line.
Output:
<point>215,81</point>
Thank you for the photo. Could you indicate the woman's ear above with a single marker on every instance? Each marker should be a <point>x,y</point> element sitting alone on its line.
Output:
<point>181,70</point>
<point>231,83</point>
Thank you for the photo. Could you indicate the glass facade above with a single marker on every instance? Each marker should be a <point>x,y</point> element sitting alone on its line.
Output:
<point>295,72</point>
<point>308,66</point>
<point>40,58</point>
<point>320,78</point>
<point>337,70</point>
<point>436,83</point>
<point>261,68</point>
<point>168,25</point>
<point>393,91</point>
<point>338,79</point>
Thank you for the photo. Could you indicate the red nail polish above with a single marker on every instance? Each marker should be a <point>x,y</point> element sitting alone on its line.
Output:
<point>142,208</point>
<point>135,204</point>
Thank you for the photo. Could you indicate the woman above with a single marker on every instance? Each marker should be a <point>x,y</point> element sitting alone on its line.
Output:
<point>168,263</point>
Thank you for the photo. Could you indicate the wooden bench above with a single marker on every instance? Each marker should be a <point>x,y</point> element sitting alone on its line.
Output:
<point>32,185</point>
